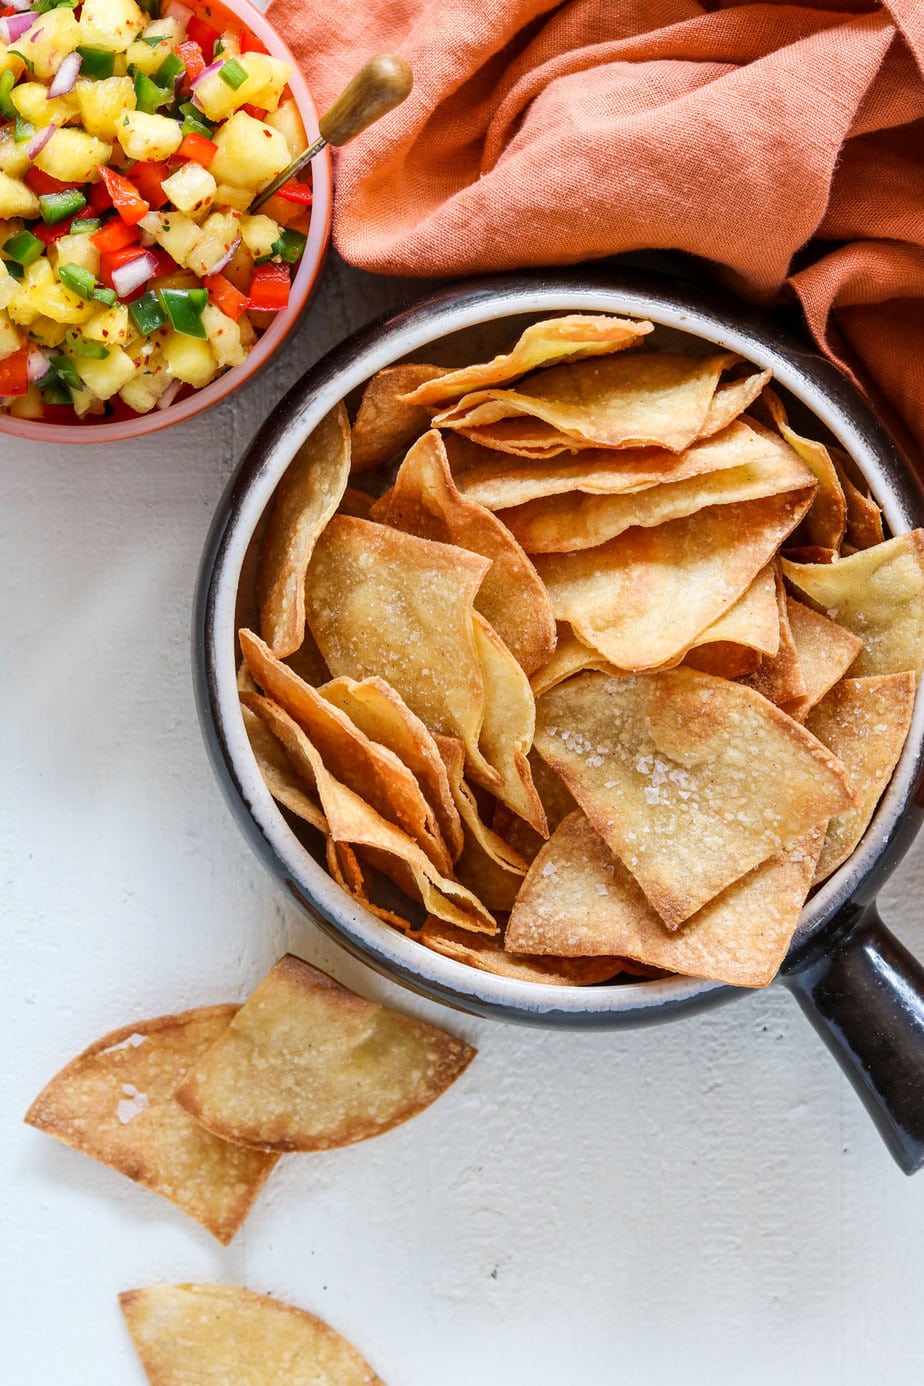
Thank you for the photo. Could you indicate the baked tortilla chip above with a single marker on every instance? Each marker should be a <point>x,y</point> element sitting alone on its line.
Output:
<point>632,400</point>
<point>579,899</point>
<point>115,1103</point>
<point>488,956</point>
<point>825,649</point>
<point>424,501</point>
<point>356,503</point>
<point>865,723</point>
<point>385,423</point>
<point>731,399</point>
<point>779,677</point>
<point>825,521</point>
<point>864,518</point>
<point>691,780</point>
<point>490,867</point>
<point>546,343</point>
<point>642,599</point>
<point>508,727</point>
<point>350,819</point>
<point>305,499</point>
<point>219,1335</point>
<point>279,774</point>
<point>878,595</point>
<point>308,1065</point>
<point>386,604</point>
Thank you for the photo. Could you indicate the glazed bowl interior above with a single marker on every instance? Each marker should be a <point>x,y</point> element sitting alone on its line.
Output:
<point>467,324</point>
<point>303,283</point>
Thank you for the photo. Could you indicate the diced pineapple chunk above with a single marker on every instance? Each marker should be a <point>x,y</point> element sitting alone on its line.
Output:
<point>112,327</point>
<point>76,250</point>
<point>73,155</point>
<point>105,378</point>
<point>10,340</point>
<point>48,333</point>
<point>191,189</point>
<point>266,78</point>
<point>259,234</point>
<point>14,161</point>
<point>16,200</point>
<point>145,389</point>
<point>58,303</point>
<point>249,152</point>
<point>50,39</point>
<point>38,273</point>
<point>224,336</point>
<point>189,359</point>
<point>148,137</point>
<point>147,57</point>
<point>10,61</point>
<point>102,104</point>
<point>220,231</point>
<point>246,329</point>
<point>9,287</point>
<point>288,121</point>
<point>110,24</point>
<point>32,103</point>
<point>238,198</point>
<point>174,231</point>
<point>85,402</point>
<point>28,406</point>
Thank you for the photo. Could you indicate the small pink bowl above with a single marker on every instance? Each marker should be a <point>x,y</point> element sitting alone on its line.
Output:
<point>309,268</point>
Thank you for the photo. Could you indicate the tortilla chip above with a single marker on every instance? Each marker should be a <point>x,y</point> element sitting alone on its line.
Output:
<point>779,677</point>
<point>488,956</point>
<point>691,780</point>
<point>731,399</point>
<point>825,521</point>
<point>826,651</point>
<point>385,423</point>
<point>115,1103</point>
<point>488,866</point>
<point>507,730</point>
<point>424,501</point>
<point>808,553</point>
<point>350,819</point>
<point>864,518</point>
<point>557,801</point>
<point>878,595</point>
<point>379,711</point>
<point>579,899</point>
<point>642,599</point>
<point>308,1065</point>
<point>279,774</point>
<point>356,503</point>
<point>307,661</point>
<point>630,400</point>
<point>386,604</point>
<point>219,1335</point>
<point>563,524</point>
<point>546,343</point>
<point>370,769</point>
<point>305,499</point>
<point>865,723</point>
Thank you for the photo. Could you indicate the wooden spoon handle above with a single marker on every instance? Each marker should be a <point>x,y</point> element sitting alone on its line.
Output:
<point>376,89</point>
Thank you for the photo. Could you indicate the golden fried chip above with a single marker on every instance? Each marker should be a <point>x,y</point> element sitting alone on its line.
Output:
<point>488,956</point>
<point>115,1103</point>
<point>219,1335</point>
<point>424,501</point>
<point>563,524</point>
<point>350,819</point>
<point>379,711</point>
<point>865,723</point>
<point>508,727</point>
<point>356,503</point>
<point>824,523</point>
<point>557,801</point>
<point>387,604</point>
<point>878,594</point>
<point>305,499</point>
<point>279,774</point>
<point>308,1065</point>
<point>642,599</point>
<point>691,780</point>
<point>779,677</point>
<point>825,649</point>
<point>490,867</point>
<point>363,765</point>
<point>864,518</point>
<point>579,899</point>
<point>731,399</point>
<point>630,400</point>
<point>546,343</point>
<point>385,423</point>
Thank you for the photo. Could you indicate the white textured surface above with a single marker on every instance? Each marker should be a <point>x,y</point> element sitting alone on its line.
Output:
<point>704,1202</point>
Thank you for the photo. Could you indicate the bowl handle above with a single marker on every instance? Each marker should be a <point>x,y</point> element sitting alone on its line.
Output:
<point>864,993</point>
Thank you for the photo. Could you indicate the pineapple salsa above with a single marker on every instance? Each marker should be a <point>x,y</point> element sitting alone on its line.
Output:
<point>133,138</point>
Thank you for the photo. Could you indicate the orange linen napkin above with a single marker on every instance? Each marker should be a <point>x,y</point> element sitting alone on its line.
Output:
<point>542,134</point>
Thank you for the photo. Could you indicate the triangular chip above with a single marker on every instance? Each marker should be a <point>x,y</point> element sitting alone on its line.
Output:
<point>579,899</point>
<point>357,503</point>
<point>545,343</point>
<point>642,599</point>
<point>731,399</point>
<point>557,801</point>
<point>508,727</point>
<point>305,499</point>
<point>779,677</point>
<point>308,1065</point>
<point>491,868</point>
<point>864,518</point>
<point>279,774</point>
<point>487,955</point>
<point>691,780</point>
<point>824,523</point>
<point>363,765</point>
<point>877,594</point>
<point>115,1103</point>
<point>219,1335</point>
<point>387,604</point>
<point>385,424</point>
<point>424,501</point>
<point>865,723</point>
<point>630,400</point>
<point>825,649</point>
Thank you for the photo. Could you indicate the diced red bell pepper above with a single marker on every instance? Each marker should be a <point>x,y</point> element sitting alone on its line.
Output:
<point>59,414</point>
<point>193,60</point>
<point>100,201</point>
<point>42,183</point>
<point>258,112</point>
<point>14,373</point>
<point>203,34</point>
<point>126,198</point>
<point>112,260</point>
<point>199,148</point>
<point>49,234</point>
<point>251,44</point>
<point>269,288</point>
<point>229,299</point>
<point>115,235</point>
<point>148,178</point>
<point>296,192</point>
<point>165,263</point>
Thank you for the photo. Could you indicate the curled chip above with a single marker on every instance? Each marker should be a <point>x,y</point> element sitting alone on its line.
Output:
<point>825,649</point>
<point>508,727</point>
<point>305,499</point>
<point>487,955</point>
<point>115,1102</point>
<point>490,867</point>
<point>308,1065</point>
<point>779,677</point>
<point>731,399</point>
<point>385,422</point>
<point>219,1335</point>
<point>825,521</point>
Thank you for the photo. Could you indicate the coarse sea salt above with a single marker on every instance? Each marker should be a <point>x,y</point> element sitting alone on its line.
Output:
<point>133,1041</point>
<point>132,1104</point>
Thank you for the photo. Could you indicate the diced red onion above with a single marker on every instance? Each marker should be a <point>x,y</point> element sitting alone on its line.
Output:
<point>181,13</point>
<point>20,5</point>
<point>39,140</point>
<point>225,261</point>
<point>170,394</point>
<point>207,72</point>
<point>129,277</point>
<point>65,78</point>
<point>37,366</point>
<point>15,25</point>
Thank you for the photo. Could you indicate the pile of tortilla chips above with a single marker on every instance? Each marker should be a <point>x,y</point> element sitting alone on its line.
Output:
<point>581,664</point>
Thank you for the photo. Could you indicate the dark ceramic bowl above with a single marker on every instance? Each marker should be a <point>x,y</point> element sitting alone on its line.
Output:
<point>860,987</point>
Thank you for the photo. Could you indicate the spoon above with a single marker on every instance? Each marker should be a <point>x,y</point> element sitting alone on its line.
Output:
<point>378,87</point>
